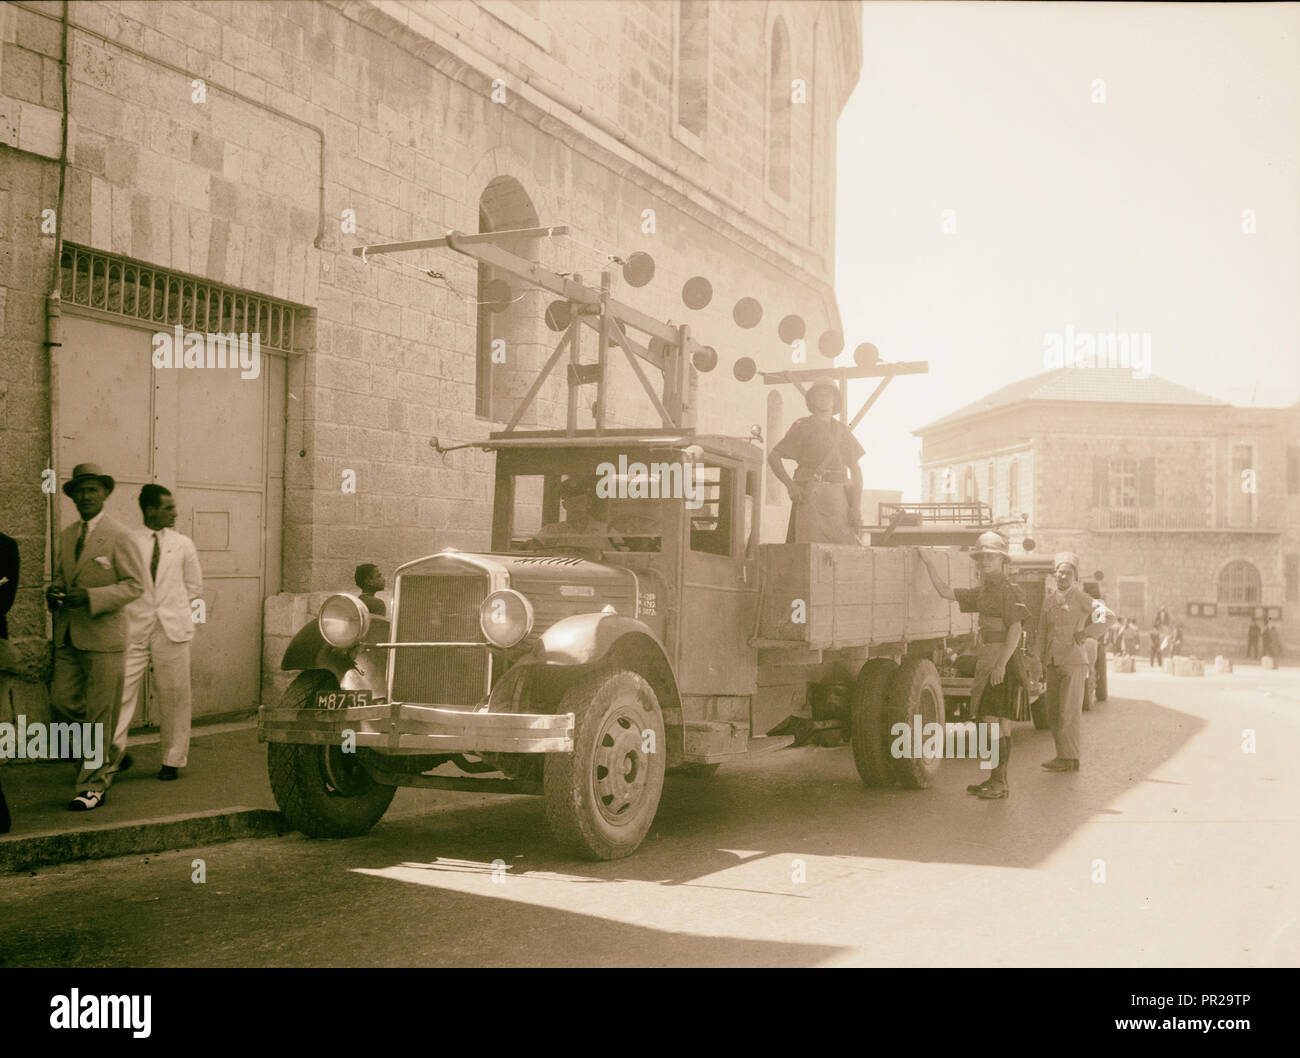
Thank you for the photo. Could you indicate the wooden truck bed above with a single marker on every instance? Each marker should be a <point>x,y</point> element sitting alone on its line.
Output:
<point>856,596</point>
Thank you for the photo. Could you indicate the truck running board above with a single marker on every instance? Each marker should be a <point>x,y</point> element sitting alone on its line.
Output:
<point>768,743</point>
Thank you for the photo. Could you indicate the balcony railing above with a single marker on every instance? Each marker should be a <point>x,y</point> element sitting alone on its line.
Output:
<point>1151,518</point>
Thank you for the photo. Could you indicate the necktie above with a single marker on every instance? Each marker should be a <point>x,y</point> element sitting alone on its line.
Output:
<point>153,562</point>
<point>81,541</point>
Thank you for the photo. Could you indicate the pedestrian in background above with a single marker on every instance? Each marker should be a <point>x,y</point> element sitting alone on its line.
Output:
<point>371,582</point>
<point>1252,639</point>
<point>1065,625</point>
<point>1268,640</point>
<point>160,626</point>
<point>1132,638</point>
<point>8,656</point>
<point>96,574</point>
<point>1155,648</point>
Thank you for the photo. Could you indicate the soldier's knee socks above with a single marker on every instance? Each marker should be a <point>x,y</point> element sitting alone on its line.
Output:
<point>1004,755</point>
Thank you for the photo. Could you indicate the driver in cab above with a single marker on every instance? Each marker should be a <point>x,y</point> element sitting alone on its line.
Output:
<point>583,527</point>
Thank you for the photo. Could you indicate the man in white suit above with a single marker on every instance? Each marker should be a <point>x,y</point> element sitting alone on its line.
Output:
<point>159,627</point>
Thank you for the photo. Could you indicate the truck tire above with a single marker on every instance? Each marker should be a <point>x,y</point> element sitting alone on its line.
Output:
<point>322,791</point>
<point>602,797</point>
<point>869,734</point>
<point>915,690</point>
<point>1101,690</point>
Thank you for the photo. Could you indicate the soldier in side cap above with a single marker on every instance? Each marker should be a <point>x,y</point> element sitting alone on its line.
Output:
<point>826,490</point>
<point>1064,628</point>
<point>1002,613</point>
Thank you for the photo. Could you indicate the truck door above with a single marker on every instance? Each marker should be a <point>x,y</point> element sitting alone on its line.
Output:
<point>719,585</point>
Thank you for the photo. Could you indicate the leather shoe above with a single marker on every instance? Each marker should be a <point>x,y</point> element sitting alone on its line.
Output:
<point>86,800</point>
<point>166,773</point>
<point>1062,765</point>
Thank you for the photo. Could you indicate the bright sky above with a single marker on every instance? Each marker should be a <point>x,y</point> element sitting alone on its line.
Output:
<point>1068,211</point>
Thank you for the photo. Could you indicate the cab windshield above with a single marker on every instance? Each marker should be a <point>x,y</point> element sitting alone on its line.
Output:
<point>583,512</point>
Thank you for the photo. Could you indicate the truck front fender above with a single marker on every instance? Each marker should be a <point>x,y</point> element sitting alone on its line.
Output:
<point>357,669</point>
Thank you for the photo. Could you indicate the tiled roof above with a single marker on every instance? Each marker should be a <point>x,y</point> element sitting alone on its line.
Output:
<point>1103,385</point>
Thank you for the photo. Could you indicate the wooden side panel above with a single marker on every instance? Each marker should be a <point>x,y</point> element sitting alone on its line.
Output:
<point>855,596</point>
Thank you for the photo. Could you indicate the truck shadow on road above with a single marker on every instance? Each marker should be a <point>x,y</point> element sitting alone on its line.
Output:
<point>810,802</point>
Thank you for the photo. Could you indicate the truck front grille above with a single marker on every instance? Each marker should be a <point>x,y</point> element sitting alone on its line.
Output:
<point>440,609</point>
<point>441,675</point>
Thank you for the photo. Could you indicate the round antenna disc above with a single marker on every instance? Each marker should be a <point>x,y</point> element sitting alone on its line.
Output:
<point>747,312</point>
<point>697,292</point>
<point>744,368</point>
<point>639,269</point>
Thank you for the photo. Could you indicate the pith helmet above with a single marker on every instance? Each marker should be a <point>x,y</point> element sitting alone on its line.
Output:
<point>991,543</point>
<point>1067,558</point>
<point>829,387</point>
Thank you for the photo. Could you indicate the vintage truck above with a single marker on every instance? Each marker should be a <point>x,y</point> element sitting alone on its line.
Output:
<point>584,674</point>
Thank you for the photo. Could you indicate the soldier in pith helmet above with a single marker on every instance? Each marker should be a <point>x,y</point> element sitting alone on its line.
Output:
<point>1002,612</point>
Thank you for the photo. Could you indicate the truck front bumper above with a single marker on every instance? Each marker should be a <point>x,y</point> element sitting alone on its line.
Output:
<point>403,728</point>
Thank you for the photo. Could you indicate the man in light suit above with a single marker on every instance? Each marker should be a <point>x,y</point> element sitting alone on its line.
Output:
<point>160,625</point>
<point>95,575</point>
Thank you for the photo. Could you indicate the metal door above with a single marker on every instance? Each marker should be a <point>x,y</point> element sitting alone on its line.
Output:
<point>203,433</point>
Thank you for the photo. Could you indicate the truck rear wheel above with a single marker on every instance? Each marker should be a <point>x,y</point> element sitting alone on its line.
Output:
<point>602,797</point>
<point>915,690</point>
<point>869,735</point>
<point>322,791</point>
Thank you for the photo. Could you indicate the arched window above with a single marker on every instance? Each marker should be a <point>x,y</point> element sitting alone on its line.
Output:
<point>692,66</point>
<point>1239,583</point>
<point>778,111</point>
<point>774,432</point>
<point>1013,485</point>
<point>510,332</point>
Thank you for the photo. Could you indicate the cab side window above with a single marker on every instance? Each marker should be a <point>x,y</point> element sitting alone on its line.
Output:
<point>711,511</point>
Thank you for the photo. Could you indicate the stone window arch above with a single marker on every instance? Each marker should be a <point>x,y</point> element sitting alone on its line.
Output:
<point>1239,583</point>
<point>499,384</point>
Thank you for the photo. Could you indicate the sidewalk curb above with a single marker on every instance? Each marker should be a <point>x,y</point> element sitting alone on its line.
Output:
<point>157,835</point>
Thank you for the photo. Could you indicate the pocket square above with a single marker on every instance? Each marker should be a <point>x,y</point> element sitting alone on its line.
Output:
<point>104,561</point>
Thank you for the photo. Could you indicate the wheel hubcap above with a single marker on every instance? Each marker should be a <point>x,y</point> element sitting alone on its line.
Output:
<point>343,775</point>
<point>620,768</point>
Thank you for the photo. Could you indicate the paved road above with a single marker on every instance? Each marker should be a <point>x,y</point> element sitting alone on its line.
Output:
<point>781,861</point>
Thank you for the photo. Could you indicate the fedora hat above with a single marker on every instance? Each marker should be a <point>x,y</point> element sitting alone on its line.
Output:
<point>87,470</point>
<point>831,388</point>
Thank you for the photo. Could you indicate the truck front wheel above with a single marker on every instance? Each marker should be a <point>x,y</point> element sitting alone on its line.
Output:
<point>322,791</point>
<point>602,797</point>
<point>915,690</point>
<point>867,722</point>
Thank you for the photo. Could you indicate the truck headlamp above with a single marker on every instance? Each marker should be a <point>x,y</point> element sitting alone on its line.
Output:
<point>505,617</point>
<point>343,621</point>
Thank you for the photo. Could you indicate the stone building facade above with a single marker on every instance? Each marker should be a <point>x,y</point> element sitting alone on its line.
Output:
<point>222,160</point>
<point>1180,500</point>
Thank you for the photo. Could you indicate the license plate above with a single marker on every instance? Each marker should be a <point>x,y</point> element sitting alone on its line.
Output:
<point>342,699</point>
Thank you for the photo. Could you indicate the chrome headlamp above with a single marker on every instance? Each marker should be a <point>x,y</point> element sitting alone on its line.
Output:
<point>506,617</point>
<point>343,621</point>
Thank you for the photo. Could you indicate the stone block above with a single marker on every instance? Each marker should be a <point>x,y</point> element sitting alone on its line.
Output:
<point>1189,667</point>
<point>1124,664</point>
<point>1222,664</point>
<point>1267,662</point>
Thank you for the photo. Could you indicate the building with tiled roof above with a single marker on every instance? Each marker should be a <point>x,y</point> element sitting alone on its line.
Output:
<point>1183,501</point>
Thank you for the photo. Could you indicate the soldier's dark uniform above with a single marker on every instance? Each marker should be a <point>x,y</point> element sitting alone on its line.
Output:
<point>999,606</point>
